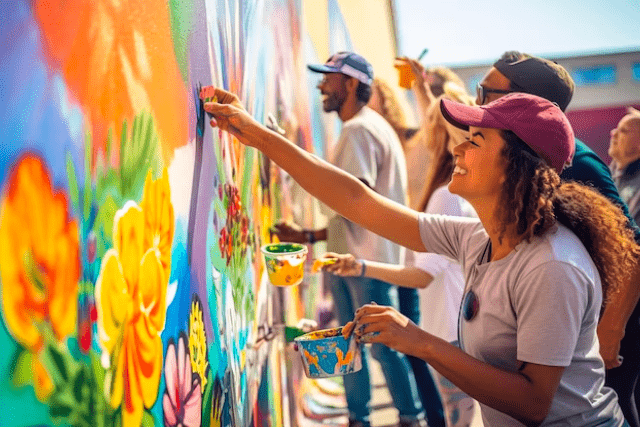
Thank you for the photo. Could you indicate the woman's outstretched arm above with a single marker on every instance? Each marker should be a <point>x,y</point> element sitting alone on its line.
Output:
<point>339,190</point>
<point>396,274</point>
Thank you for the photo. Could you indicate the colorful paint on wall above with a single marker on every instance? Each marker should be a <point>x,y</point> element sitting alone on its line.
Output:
<point>132,287</point>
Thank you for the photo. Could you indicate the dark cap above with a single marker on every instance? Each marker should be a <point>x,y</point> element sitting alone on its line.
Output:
<point>348,63</point>
<point>539,76</point>
<point>535,120</point>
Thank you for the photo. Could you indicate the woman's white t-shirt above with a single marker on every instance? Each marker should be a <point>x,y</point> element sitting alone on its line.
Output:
<point>539,304</point>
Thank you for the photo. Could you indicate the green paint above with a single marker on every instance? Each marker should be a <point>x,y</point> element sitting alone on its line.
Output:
<point>180,13</point>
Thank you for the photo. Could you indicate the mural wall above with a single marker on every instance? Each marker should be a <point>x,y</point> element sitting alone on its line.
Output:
<point>131,281</point>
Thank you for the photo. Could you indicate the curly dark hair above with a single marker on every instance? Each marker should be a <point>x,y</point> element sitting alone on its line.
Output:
<point>541,199</point>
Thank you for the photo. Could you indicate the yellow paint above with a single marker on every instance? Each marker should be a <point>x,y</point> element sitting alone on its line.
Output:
<point>282,273</point>
<point>319,263</point>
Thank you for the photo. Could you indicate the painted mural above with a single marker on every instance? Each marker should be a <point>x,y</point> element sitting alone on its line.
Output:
<point>132,287</point>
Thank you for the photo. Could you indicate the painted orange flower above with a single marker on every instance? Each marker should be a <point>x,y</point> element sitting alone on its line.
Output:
<point>39,261</point>
<point>118,59</point>
<point>131,299</point>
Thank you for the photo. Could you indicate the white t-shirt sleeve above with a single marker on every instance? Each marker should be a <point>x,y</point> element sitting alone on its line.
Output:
<point>358,154</point>
<point>433,264</point>
<point>551,302</point>
<point>445,235</point>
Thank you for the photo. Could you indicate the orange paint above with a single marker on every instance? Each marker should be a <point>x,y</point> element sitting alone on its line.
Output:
<point>117,59</point>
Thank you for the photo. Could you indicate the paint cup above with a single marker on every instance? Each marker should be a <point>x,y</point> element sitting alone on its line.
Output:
<point>326,353</point>
<point>285,263</point>
<point>405,75</point>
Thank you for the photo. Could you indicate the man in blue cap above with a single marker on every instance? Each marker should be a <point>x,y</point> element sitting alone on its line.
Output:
<point>369,149</point>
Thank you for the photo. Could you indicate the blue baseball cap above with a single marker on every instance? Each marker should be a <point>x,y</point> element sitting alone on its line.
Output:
<point>347,63</point>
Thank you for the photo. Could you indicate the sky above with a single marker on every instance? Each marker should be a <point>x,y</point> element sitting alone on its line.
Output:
<point>460,32</point>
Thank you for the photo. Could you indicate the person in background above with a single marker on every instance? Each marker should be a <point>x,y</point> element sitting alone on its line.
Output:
<point>437,305</point>
<point>368,149</point>
<point>384,102</point>
<point>440,279</point>
<point>520,72</point>
<point>529,352</point>
<point>416,154</point>
<point>624,149</point>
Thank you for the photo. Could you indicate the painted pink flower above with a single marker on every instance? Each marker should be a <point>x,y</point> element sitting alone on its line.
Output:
<point>182,400</point>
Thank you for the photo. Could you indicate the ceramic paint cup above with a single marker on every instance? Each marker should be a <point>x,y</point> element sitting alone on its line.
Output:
<point>326,353</point>
<point>285,263</point>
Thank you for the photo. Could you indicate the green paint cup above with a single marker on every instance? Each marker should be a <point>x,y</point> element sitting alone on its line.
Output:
<point>285,263</point>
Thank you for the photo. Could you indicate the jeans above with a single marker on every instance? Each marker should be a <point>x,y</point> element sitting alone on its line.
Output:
<point>350,293</point>
<point>427,388</point>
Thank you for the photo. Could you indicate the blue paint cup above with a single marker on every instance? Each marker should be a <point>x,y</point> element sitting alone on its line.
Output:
<point>326,353</point>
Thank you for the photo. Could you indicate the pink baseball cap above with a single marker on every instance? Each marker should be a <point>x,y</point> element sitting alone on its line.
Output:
<point>537,121</point>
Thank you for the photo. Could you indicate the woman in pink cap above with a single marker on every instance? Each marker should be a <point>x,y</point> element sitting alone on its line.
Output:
<point>538,262</point>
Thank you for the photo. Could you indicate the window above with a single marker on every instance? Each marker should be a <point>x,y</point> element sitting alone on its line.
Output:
<point>635,71</point>
<point>595,75</point>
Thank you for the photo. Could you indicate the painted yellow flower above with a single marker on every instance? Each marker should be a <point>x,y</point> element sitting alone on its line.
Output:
<point>131,299</point>
<point>198,343</point>
<point>159,218</point>
<point>39,262</point>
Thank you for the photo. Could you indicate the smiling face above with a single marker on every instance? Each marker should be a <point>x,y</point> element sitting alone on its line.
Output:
<point>333,88</point>
<point>479,173</point>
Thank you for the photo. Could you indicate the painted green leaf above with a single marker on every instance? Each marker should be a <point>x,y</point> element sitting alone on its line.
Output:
<point>79,382</point>
<point>56,365</point>
<point>23,370</point>
<point>207,400</point>
<point>147,419</point>
<point>74,194</point>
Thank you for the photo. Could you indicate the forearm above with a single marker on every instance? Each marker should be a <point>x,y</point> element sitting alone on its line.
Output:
<point>312,236</point>
<point>339,190</point>
<point>508,392</point>
<point>424,98</point>
<point>407,277</point>
<point>620,306</point>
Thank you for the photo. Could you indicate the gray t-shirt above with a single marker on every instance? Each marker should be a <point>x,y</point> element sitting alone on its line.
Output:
<point>539,304</point>
<point>369,149</point>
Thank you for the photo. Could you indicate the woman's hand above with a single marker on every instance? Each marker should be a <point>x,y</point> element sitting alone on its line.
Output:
<point>345,265</point>
<point>393,329</point>
<point>228,114</point>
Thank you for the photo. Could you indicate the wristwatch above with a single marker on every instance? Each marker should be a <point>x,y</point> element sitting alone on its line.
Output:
<point>309,236</point>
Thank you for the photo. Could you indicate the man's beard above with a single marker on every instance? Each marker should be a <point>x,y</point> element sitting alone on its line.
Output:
<point>334,102</point>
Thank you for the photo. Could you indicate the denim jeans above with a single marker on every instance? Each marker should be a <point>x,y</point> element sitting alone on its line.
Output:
<point>350,293</point>
<point>427,388</point>
<point>624,379</point>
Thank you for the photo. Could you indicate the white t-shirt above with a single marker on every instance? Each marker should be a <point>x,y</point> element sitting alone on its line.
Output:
<point>369,149</point>
<point>539,304</point>
<point>440,301</point>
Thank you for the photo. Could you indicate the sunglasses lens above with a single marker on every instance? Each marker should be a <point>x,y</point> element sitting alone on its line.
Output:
<point>470,306</point>
<point>480,93</point>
